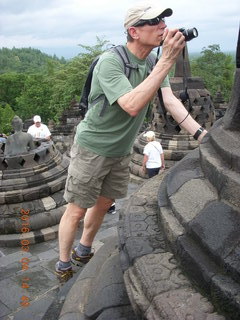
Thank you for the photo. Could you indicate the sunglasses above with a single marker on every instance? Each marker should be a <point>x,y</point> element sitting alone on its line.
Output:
<point>150,22</point>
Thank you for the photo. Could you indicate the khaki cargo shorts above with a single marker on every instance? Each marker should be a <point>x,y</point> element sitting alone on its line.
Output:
<point>91,176</point>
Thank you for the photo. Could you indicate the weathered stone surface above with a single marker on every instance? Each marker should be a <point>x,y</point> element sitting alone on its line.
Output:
<point>118,313</point>
<point>102,294</point>
<point>108,289</point>
<point>191,169</point>
<point>232,115</point>
<point>221,176</point>
<point>151,273</point>
<point>182,304</point>
<point>217,226</point>
<point>226,293</point>
<point>36,186</point>
<point>191,198</point>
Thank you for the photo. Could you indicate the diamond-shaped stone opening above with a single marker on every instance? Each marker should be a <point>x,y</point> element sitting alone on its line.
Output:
<point>37,143</point>
<point>21,161</point>
<point>36,157</point>
<point>4,163</point>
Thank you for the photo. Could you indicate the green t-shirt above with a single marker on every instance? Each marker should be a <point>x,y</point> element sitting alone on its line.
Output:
<point>113,133</point>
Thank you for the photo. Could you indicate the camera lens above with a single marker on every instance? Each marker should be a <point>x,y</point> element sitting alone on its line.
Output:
<point>189,34</point>
<point>194,32</point>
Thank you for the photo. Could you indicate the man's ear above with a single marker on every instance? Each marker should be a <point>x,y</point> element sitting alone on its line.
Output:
<point>133,32</point>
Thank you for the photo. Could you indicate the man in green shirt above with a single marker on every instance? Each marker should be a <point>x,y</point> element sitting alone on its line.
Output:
<point>98,172</point>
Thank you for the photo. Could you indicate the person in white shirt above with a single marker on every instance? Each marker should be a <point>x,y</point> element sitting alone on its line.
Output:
<point>153,159</point>
<point>39,130</point>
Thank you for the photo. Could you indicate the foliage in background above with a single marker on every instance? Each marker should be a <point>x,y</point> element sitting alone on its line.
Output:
<point>27,60</point>
<point>216,69</point>
<point>35,83</point>
<point>68,82</point>
<point>35,97</point>
<point>7,115</point>
<point>11,86</point>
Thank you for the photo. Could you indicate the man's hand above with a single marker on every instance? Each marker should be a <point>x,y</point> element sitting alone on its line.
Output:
<point>173,43</point>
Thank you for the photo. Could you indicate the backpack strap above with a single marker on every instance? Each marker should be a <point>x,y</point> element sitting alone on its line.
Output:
<point>151,61</point>
<point>122,53</point>
<point>83,104</point>
<point>128,67</point>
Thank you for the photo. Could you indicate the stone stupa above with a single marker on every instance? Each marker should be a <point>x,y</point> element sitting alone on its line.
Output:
<point>176,142</point>
<point>199,208</point>
<point>32,179</point>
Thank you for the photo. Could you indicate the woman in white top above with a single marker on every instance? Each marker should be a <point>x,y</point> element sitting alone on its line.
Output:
<point>153,159</point>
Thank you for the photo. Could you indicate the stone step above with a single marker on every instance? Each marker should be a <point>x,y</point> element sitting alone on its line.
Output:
<point>99,292</point>
<point>156,283</point>
<point>226,145</point>
<point>8,186</point>
<point>220,173</point>
<point>200,230</point>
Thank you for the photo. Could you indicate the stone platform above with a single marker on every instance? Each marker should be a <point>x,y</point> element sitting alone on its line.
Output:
<point>137,273</point>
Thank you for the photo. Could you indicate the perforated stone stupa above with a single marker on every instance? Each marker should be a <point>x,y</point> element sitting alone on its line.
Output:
<point>63,133</point>
<point>176,142</point>
<point>31,182</point>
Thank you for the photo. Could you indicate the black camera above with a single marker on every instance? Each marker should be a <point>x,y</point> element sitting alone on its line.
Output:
<point>189,34</point>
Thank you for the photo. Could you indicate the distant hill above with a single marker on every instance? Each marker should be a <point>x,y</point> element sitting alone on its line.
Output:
<point>25,60</point>
<point>195,55</point>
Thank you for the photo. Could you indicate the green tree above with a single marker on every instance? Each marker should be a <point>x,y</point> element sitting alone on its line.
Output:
<point>27,60</point>
<point>35,97</point>
<point>68,81</point>
<point>216,69</point>
<point>11,86</point>
<point>6,116</point>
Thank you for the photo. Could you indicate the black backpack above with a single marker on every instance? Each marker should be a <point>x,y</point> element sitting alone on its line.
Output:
<point>122,53</point>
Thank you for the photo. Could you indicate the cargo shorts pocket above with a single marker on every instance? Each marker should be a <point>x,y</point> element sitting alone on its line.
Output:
<point>82,184</point>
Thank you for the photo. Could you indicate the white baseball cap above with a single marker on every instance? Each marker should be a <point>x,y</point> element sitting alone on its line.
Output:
<point>145,12</point>
<point>36,119</point>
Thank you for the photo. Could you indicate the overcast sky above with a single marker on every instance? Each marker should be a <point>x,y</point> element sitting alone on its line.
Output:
<point>58,26</point>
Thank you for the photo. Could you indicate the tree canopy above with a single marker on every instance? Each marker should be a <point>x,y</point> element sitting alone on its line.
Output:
<point>216,69</point>
<point>27,60</point>
<point>32,82</point>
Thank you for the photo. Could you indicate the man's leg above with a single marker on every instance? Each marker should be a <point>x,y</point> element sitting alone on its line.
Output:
<point>93,220</point>
<point>67,229</point>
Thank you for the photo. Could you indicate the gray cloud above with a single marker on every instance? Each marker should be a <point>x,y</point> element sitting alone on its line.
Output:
<point>56,24</point>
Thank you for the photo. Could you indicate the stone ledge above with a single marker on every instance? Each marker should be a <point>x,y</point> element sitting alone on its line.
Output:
<point>14,240</point>
<point>158,290</point>
<point>101,290</point>
<point>202,231</point>
<point>155,282</point>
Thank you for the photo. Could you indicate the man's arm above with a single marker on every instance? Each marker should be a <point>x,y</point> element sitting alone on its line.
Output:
<point>179,112</point>
<point>47,133</point>
<point>135,100</point>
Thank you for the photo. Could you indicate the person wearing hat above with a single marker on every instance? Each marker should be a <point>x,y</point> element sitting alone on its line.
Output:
<point>39,130</point>
<point>153,159</point>
<point>99,167</point>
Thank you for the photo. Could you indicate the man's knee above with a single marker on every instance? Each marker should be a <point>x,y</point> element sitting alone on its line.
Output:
<point>104,203</point>
<point>75,212</point>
